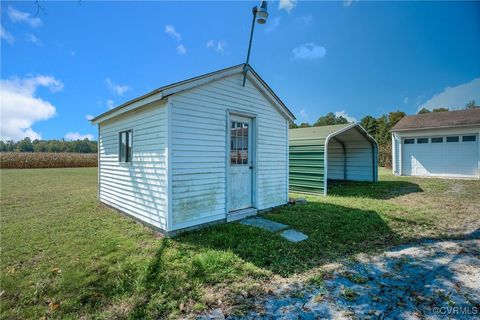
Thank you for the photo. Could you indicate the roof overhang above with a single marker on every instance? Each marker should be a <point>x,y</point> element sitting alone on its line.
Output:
<point>355,125</point>
<point>437,127</point>
<point>163,92</point>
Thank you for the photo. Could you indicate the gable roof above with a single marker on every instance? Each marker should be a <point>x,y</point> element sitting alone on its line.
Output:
<point>168,90</point>
<point>321,135</point>
<point>439,120</point>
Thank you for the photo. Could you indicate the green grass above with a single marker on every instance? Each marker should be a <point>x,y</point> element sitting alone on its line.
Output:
<point>63,255</point>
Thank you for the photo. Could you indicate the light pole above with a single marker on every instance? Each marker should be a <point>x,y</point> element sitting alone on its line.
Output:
<point>261,16</point>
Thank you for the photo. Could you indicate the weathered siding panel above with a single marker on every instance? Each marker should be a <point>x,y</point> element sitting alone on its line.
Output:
<point>199,149</point>
<point>138,188</point>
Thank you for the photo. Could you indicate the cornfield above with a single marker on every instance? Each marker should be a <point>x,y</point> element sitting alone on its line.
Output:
<point>24,160</point>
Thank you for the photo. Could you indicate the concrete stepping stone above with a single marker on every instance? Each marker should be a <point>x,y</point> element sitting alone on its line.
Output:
<point>265,224</point>
<point>294,235</point>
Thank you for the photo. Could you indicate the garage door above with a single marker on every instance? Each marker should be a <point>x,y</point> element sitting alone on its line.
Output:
<point>447,156</point>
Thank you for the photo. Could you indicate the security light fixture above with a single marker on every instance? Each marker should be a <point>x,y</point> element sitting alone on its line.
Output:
<point>261,16</point>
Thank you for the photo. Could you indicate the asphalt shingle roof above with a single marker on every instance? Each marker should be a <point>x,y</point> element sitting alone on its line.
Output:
<point>439,120</point>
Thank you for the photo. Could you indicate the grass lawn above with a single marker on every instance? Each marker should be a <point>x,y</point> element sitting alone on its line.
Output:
<point>63,255</point>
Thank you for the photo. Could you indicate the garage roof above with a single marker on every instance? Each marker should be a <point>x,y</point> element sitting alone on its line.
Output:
<point>439,120</point>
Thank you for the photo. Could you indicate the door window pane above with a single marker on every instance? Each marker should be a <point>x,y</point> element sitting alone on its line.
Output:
<point>452,139</point>
<point>422,140</point>
<point>409,141</point>
<point>437,140</point>
<point>238,143</point>
<point>469,138</point>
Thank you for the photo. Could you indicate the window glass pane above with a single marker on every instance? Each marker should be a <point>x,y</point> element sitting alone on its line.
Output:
<point>422,140</point>
<point>129,146</point>
<point>437,140</point>
<point>409,141</point>
<point>233,143</point>
<point>469,138</point>
<point>238,143</point>
<point>123,143</point>
<point>245,143</point>
<point>452,139</point>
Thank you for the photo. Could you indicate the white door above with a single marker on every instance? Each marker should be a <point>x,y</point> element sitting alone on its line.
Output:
<point>240,163</point>
<point>442,156</point>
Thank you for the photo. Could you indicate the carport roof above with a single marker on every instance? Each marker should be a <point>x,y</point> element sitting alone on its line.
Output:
<point>316,135</point>
<point>439,120</point>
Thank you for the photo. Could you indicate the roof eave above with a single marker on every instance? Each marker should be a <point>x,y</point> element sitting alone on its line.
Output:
<point>436,127</point>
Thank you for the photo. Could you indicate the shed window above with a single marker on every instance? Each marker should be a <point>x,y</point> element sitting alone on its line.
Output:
<point>238,143</point>
<point>125,146</point>
<point>437,140</point>
<point>409,141</point>
<point>452,139</point>
<point>422,140</point>
<point>469,138</point>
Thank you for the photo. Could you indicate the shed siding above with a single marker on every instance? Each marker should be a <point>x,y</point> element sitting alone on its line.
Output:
<point>199,149</point>
<point>137,188</point>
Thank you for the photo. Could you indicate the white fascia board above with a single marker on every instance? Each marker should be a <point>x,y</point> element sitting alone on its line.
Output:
<point>141,102</point>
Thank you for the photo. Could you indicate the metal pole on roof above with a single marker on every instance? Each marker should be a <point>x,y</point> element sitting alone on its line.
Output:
<point>261,16</point>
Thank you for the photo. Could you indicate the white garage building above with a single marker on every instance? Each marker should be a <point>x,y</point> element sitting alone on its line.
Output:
<point>440,144</point>
<point>199,151</point>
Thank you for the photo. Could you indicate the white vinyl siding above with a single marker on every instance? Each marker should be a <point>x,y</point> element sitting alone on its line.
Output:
<point>199,120</point>
<point>137,188</point>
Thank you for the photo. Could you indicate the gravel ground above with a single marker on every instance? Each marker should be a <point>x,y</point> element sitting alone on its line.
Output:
<point>431,280</point>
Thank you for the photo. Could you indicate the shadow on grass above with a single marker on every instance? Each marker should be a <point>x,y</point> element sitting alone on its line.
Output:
<point>334,232</point>
<point>375,190</point>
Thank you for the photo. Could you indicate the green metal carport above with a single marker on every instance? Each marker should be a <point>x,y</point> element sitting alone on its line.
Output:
<point>338,152</point>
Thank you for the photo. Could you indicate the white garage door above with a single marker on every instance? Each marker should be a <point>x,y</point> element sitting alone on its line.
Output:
<point>447,156</point>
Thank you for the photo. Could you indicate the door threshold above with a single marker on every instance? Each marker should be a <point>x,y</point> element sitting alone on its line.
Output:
<point>240,214</point>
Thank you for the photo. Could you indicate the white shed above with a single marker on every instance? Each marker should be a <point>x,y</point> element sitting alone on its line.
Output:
<point>440,144</point>
<point>199,151</point>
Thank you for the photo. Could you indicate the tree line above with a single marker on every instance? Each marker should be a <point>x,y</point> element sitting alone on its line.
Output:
<point>27,145</point>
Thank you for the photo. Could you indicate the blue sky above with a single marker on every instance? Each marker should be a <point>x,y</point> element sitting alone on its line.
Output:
<point>355,58</point>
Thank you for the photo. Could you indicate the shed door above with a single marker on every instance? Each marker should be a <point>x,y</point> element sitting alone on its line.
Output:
<point>447,156</point>
<point>240,163</point>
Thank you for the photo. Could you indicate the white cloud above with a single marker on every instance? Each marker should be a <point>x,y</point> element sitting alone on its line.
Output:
<point>5,35</point>
<point>309,51</point>
<point>170,30</point>
<point>110,104</point>
<point>116,88</point>
<point>287,5</point>
<point>181,49</point>
<point>29,37</point>
<point>73,136</point>
<point>307,19</point>
<point>303,115</point>
<point>218,46</point>
<point>21,108</point>
<point>454,97</point>
<point>348,3</point>
<point>274,23</point>
<point>89,117</point>
<point>25,17</point>
<point>345,115</point>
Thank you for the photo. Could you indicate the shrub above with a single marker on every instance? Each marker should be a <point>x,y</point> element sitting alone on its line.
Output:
<point>24,160</point>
